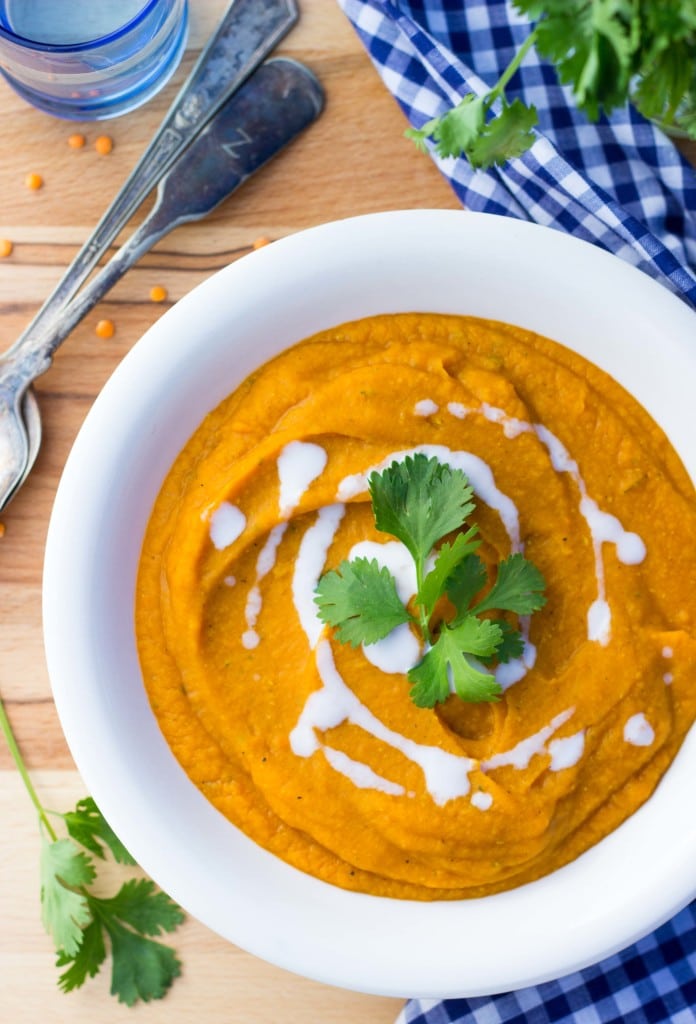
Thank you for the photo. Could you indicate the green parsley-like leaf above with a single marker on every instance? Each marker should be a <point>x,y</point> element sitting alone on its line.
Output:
<point>507,135</point>
<point>448,559</point>
<point>360,600</point>
<point>457,131</point>
<point>419,501</point>
<point>447,660</point>
<point>144,907</point>
<point>518,588</point>
<point>591,44</point>
<point>88,827</point>
<point>85,962</point>
<point>65,869</point>
<point>511,645</point>
<point>465,582</point>
<point>141,968</point>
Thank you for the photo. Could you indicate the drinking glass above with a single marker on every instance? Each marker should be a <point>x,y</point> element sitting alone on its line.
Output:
<point>90,59</point>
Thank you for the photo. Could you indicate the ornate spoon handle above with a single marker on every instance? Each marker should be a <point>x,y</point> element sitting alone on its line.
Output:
<point>249,30</point>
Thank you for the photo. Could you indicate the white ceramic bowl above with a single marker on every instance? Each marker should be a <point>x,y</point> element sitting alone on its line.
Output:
<point>437,261</point>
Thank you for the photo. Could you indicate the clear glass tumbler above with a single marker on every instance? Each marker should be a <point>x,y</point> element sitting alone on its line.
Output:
<point>90,59</point>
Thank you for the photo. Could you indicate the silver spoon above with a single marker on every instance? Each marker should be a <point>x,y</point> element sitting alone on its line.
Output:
<point>268,111</point>
<point>246,33</point>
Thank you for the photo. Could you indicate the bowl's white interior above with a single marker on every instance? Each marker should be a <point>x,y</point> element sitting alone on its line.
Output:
<point>438,261</point>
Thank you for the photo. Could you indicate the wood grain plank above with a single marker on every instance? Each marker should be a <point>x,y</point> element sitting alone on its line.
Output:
<point>220,982</point>
<point>353,160</point>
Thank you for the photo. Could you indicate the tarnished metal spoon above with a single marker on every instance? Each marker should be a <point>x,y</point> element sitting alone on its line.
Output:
<point>281,99</point>
<point>245,35</point>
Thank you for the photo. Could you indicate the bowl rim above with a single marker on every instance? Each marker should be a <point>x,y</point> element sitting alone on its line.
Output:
<point>350,940</point>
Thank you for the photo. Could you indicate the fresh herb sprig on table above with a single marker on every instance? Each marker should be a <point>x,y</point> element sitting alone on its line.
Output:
<point>84,925</point>
<point>608,51</point>
<point>420,501</point>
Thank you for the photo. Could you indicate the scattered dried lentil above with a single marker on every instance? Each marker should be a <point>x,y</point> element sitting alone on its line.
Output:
<point>158,293</point>
<point>6,247</point>
<point>103,144</point>
<point>2,529</point>
<point>33,181</point>
<point>76,141</point>
<point>105,329</point>
<point>261,241</point>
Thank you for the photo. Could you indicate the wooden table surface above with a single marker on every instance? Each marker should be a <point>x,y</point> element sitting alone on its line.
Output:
<point>354,160</point>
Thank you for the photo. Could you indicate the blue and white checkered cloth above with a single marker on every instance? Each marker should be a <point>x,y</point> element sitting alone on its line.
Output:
<point>651,982</point>
<point>620,184</point>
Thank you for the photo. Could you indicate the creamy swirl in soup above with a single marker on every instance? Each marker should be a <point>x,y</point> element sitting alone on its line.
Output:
<point>313,748</point>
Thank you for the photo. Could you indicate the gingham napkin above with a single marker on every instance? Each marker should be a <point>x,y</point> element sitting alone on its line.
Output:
<point>651,982</point>
<point>620,184</point>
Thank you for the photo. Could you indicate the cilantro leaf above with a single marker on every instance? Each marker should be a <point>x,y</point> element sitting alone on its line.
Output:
<point>86,960</point>
<point>456,131</point>
<point>88,827</point>
<point>360,600</point>
<point>448,559</point>
<point>607,51</point>
<point>65,869</point>
<point>419,501</point>
<point>467,579</point>
<point>76,919</point>
<point>141,968</point>
<point>447,661</point>
<point>511,645</point>
<point>518,588</point>
<point>144,907</point>
<point>591,45</point>
<point>506,135</point>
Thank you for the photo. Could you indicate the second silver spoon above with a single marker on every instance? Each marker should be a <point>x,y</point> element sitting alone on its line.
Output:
<point>281,99</point>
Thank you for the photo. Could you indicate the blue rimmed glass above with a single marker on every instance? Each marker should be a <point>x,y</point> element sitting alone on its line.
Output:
<point>88,60</point>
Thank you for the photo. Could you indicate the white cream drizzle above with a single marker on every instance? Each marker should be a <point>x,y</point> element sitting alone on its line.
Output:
<point>523,752</point>
<point>638,731</point>
<point>400,650</point>
<point>446,775</point>
<point>254,602</point>
<point>309,565</point>
<point>604,528</point>
<point>483,801</point>
<point>226,524</point>
<point>426,407</point>
<point>566,751</point>
<point>299,465</point>
<point>478,472</point>
<point>360,774</point>
<point>667,652</point>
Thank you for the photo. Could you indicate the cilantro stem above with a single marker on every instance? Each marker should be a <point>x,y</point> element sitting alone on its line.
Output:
<point>423,612</point>
<point>22,769</point>
<point>499,87</point>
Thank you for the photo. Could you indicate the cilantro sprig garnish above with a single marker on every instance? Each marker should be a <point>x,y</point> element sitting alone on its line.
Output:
<point>85,926</point>
<point>421,501</point>
<point>608,52</point>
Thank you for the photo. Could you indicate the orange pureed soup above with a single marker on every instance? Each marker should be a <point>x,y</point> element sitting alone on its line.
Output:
<point>314,748</point>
